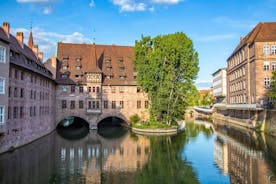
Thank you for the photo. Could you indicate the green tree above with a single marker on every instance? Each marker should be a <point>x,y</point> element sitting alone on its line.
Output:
<point>206,100</point>
<point>167,66</point>
<point>272,93</point>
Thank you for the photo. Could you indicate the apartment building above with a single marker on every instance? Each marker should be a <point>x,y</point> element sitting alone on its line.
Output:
<point>219,85</point>
<point>27,91</point>
<point>249,68</point>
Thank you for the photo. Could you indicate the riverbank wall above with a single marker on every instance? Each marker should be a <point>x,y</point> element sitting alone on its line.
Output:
<point>264,120</point>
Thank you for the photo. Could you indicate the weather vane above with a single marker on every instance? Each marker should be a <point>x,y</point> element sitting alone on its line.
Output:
<point>94,37</point>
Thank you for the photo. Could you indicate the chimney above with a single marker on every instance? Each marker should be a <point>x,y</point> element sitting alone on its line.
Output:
<point>20,38</point>
<point>6,27</point>
<point>40,56</point>
<point>35,49</point>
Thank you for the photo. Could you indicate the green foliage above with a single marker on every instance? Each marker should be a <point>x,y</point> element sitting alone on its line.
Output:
<point>206,100</point>
<point>167,66</point>
<point>272,93</point>
<point>134,119</point>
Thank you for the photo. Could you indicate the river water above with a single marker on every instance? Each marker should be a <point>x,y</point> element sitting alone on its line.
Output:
<point>203,153</point>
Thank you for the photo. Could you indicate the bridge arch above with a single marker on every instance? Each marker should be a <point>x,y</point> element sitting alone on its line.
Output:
<point>112,115</point>
<point>72,118</point>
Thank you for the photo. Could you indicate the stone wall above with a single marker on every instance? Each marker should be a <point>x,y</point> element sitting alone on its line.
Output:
<point>31,108</point>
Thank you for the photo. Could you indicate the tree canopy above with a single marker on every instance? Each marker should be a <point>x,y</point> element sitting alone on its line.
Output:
<point>166,66</point>
<point>272,93</point>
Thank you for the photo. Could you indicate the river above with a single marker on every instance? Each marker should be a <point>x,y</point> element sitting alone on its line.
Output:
<point>202,153</point>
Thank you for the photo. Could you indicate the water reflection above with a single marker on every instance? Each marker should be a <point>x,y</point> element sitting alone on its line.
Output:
<point>203,153</point>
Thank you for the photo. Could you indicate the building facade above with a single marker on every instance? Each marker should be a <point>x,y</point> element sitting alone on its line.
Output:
<point>27,91</point>
<point>250,66</point>
<point>219,85</point>
<point>96,82</point>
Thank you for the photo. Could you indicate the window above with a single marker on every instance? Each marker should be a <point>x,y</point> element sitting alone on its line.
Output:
<point>266,81</point>
<point>97,104</point>
<point>93,104</point>
<point>113,89</point>
<point>10,91</point>
<point>15,74</point>
<point>93,89</point>
<point>64,88</point>
<point>274,66</point>
<point>2,54</point>
<point>2,85</point>
<point>22,93</point>
<point>31,111</point>
<point>81,104</point>
<point>2,112</point>
<point>14,112</point>
<point>138,104</point>
<point>146,104</point>
<point>73,89</point>
<point>81,89</point>
<point>21,113</point>
<point>113,104</point>
<point>63,104</point>
<point>121,89</point>
<point>98,89</point>
<point>22,75</point>
<point>89,105</point>
<point>138,89</point>
<point>121,104</point>
<point>89,89</point>
<point>63,76</point>
<point>15,93</point>
<point>106,104</point>
<point>266,50</point>
<point>78,67</point>
<point>273,49</point>
<point>64,67</point>
<point>266,65</point>
<point>72,104</point>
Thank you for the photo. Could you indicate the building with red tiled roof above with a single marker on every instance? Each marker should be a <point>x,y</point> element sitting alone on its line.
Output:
<point>27,91</point>
<point>250,69</point>
<point>97,81</point>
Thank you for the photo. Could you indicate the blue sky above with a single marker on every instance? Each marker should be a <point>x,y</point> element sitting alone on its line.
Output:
<point>215,26</point>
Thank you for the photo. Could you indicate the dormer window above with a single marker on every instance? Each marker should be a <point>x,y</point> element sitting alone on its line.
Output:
<point>78,59</point>
<point>121,68</point>
<point>78,67</point>
<point>65,67</point>
<point>108,60</point>
<point>66,58</point>
<point>108,68</point>
<point>122,77</point>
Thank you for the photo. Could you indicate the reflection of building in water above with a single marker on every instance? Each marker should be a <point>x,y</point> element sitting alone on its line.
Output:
<point>96,159</point>
<point>31,164</point>
<point>245,165</point>
<point>221,155</point>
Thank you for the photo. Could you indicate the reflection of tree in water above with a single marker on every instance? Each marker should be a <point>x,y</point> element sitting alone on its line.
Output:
<point>166,164</point>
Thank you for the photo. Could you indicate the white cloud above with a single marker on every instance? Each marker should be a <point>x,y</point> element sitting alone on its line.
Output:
<point>218,37</point>
<point>130,5</point>
<point>47,10</point>
<point>46,41</point>
<point>32,1</point>
<point>151,9</point>
<point>166,1</point>
<point>92,3</point>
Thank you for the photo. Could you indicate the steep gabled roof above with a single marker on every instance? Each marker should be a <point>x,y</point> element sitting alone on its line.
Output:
<point>114,62</point>
<point>263,32</point>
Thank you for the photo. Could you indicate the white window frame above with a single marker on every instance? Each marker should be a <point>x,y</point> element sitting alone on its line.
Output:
<point>2,54</point>
<point>4,85</point>
<point>266,65</point>
<point>2,114</point>
<point>266,50</point>
<point>273,66</point>
<point>267,82</point>
<point>64,88</point>
<point>273,49</point>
